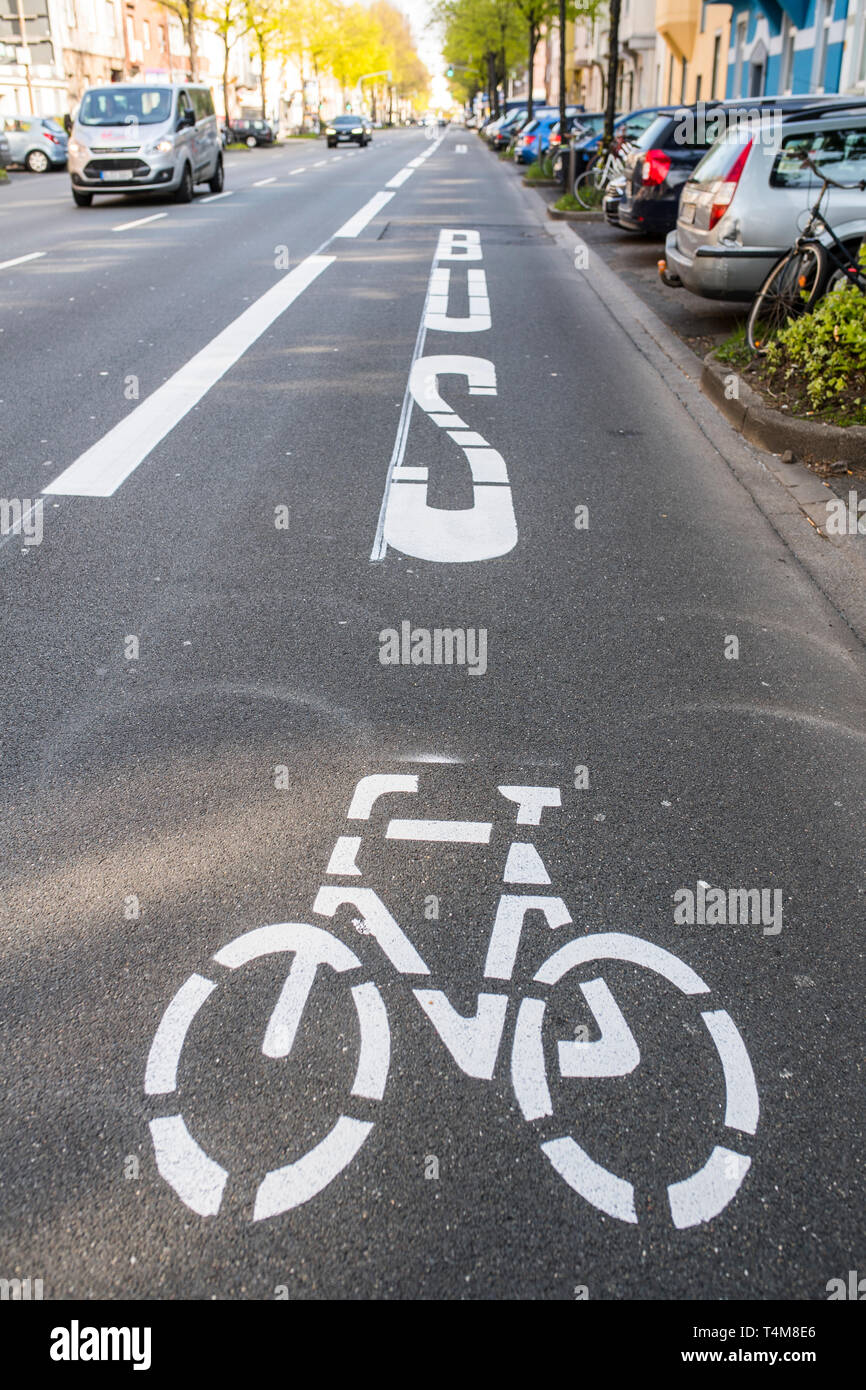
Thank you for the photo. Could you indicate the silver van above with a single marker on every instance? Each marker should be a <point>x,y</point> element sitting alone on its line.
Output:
<point>37,142</point>
<point>747,200</point>
<point>145,137</point>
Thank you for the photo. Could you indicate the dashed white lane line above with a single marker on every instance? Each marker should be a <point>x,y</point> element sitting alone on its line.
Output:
<point>399,179</point>
<point>212,197</point>
<point>139,222</point>
<point>318,164</point>
<point>19,260</point>
<point>356,224</point>
<point>101,469</point>
<point>302,170</point>
<point>260,183</point>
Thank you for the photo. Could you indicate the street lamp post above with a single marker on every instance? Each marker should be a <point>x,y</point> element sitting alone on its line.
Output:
<point>385,72</point>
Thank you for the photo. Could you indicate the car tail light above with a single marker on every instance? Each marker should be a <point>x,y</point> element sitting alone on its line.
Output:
<point>656,166</point>
<point>555,139</point>
<point>53,138</point>
<point>530,139</point>
<point>724,193</point>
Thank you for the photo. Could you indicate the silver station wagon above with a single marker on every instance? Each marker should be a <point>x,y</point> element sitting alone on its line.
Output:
<point>748,199</point>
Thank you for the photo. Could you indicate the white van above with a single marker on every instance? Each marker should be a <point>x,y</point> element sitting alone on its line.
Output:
<point>136,137</point>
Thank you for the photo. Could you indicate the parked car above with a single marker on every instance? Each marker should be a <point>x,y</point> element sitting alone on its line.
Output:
<point>5,151</point>
<point>347,130</point>
<point>38,142</point>
<point>134,137</point>
<point>670,149</point>
<point>535,135</point>
<point>742,208</point>
<point>630,124</point>
<point>500,133</point>
<point>252,131</point>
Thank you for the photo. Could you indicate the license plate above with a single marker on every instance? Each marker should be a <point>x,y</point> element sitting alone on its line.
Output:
<point>115,175</point>
<point>687,212</point>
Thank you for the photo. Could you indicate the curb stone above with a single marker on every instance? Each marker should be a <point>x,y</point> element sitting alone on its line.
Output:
<point>559,216</point>
<point>771,429</point>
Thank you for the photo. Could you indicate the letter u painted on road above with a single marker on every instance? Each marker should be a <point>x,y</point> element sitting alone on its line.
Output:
<point>480,532</point>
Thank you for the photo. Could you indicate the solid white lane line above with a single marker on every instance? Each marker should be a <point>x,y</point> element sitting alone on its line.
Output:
<point>19,260</point>
<point>100,471</point>
<point>139,222</point>
<point>399,179</point>
<point>260,183</point>
<point>212,197</point>
<point>356,224</point>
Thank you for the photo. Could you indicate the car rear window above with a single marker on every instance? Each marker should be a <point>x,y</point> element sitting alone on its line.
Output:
<point>654,134</point>
<point>53,125</point>
<point>841,153</point>
<point>717,161</point>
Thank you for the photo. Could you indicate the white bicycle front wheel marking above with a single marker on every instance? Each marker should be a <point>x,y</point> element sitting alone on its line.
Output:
<point>693,1200</point>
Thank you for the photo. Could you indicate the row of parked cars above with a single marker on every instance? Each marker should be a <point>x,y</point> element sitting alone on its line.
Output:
<point>724,184</point>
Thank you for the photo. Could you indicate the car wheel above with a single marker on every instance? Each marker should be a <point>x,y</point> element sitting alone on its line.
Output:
<point>37,161</point>
<point>185,188</point>
<point>216,183</point>
<point>251,142</point>
<point>81,200</point>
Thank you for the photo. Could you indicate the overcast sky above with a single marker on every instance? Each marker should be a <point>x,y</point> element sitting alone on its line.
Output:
<point>427,43</point>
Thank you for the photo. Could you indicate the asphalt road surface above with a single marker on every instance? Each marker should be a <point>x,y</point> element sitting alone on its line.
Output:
<point>255,542</point>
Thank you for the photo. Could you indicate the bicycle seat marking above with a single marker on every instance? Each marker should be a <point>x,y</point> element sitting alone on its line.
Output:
<point>474,1042</point>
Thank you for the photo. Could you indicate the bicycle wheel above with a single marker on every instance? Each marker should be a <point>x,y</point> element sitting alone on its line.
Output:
<point>541,1087</point>
<point>587,191</point>
<point>792,288</point>
<point>198,1179</point>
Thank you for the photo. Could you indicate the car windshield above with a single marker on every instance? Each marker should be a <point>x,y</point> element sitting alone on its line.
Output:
<point>347,120</point>
<point>130,106</point>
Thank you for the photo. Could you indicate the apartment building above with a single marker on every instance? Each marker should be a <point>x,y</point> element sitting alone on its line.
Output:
<point>692,50</point>
<point>796,47</point>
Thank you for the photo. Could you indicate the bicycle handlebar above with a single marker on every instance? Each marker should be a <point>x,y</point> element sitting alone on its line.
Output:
<point>808,163</point>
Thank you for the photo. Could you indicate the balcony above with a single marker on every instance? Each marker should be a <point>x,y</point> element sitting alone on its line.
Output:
<point>678,22</point>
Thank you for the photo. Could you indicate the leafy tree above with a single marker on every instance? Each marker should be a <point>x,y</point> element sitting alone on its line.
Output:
<point>228,19</point>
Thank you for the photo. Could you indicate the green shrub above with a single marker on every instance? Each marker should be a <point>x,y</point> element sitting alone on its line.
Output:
<point>824,353</point>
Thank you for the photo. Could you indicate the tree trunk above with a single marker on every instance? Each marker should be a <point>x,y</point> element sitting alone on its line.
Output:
<point>226,80</point>
<point>562,71</point>
<point>612,68</point>
<point>190,38</point>
<point>533,44</point>
<point>261,42</point>
<point>492,88</point>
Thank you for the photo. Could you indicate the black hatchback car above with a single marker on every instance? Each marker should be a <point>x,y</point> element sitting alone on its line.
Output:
<point>347,130</point>
<point>647,197</point>
<point>252,132</point>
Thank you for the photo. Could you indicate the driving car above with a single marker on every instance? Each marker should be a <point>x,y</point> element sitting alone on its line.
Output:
<point>145,138</point>
<point>347,130</point>
<point>38,142</point>
<point>742,208</point>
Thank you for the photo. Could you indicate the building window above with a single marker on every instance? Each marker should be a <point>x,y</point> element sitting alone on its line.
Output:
<point>130,32</point>
<point>823,19</point>
<point>698,85</point>
<point>717,54</point>
<point>145,29</point>
<point>703,16</point>
<point>739,54</point>
<point>683,76</point>
<point>789,34</point>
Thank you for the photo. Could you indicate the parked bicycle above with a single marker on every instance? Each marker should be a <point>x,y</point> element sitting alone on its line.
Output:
<point>811,268</point>
<point>590,186</point>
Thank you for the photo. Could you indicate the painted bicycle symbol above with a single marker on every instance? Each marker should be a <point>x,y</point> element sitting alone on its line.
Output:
<point>473,1042</point>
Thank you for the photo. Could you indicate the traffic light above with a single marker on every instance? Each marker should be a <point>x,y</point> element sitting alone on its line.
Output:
<point>449,72</point>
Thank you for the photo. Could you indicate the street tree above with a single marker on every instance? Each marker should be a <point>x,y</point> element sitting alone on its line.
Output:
<point>189,12</point>
<point>228,18</point>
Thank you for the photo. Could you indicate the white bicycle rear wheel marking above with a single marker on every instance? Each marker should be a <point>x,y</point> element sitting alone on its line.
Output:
<point>198,1180</point>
